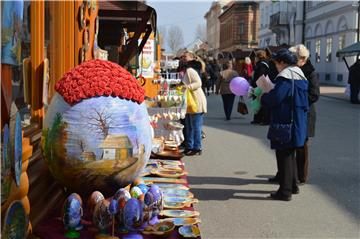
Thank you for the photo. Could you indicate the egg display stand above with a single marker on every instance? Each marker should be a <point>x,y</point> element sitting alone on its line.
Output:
<point>168,114</point>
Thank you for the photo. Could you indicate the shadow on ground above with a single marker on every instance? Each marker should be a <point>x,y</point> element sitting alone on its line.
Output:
<point>204,194</point>
<point>334,152</point>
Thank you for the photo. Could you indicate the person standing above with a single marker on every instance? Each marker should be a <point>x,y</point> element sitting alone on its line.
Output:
<point>223,87</point>
<point>261,68</point>
<point>216,70</point>
<point>247,69</point>
<point>354,81</point>
<point>194,121</point>
<point>288,102</point>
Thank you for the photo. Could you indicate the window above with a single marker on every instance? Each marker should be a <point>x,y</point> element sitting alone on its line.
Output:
<point>340,77</point>
<point>327,77</point>
<point>317,50</point>
<point>308,45</point>
<point>328,49</point>
<point>242,23</point>
<point>253,26</point>
<point>341,45</point>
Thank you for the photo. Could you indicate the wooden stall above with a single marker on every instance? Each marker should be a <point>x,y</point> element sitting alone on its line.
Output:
<point>62,34</point>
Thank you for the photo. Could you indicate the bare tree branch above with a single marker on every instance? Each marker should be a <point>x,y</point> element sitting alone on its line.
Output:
<point>175,38</point>
<point>200,32</point>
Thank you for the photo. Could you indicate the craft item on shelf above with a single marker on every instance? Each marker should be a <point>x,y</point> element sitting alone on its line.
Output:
<point>17,162</point>
<point>166,162</point>
<point>169,155</point>
<point>178,202</point>
<point>164,180</point>
<point>162,229</point>
<point>113,209</point>
<point>122,196</point>
<point>154,201</point>
<point>143,188</point>
<point>168,173</point>
<point>172,167</point>
<point>168,81</point>
<point>136,192</point>
<point>96,129</point>
<point>189,231</point>
<point>72,214</point>
<point>172,186</point>
<point>171,192</point>
<point>182,221</point>
<point>102,218</point>
<point>133,214</point>
<point>16,221</point>
<point>6,176</point>
<point>94,199</point>
<point>157,145</point>
<point>179,213</point>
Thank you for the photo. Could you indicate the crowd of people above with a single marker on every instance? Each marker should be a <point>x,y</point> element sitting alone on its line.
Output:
<point>288,109</point>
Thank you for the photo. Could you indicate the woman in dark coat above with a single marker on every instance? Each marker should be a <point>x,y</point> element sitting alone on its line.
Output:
<point>261,68</point>
<point>283,108</point>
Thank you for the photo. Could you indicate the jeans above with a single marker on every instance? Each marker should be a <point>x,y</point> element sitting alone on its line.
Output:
<point>193,130</point>
<point>228,101</point>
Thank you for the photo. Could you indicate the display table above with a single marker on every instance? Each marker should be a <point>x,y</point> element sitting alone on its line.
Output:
<point>52,228</point>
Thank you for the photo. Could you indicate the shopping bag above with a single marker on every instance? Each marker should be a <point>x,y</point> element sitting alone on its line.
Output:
<point>191,102</point>
<point>242,108</point>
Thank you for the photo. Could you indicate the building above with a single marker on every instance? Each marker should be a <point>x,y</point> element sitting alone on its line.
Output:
<point>281,22</point>
<point>213,28</point>
<point>329,27</point>
<point>323,26</point>
<point>118,147</point>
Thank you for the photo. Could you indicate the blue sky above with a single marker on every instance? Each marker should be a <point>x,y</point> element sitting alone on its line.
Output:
<point>186,14</point>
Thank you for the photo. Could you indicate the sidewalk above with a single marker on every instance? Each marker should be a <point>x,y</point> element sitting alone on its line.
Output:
<point>336,92</point>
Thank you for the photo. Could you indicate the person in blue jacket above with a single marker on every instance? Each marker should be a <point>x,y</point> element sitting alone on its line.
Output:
<point>282,107</point>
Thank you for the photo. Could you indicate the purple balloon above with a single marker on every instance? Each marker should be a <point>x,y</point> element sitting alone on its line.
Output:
<point>239,86</point>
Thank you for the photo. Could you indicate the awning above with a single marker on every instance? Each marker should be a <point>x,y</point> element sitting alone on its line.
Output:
<point>135,16</point>
<point>351,50</point>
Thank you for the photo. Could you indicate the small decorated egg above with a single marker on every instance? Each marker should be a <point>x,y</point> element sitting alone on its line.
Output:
<point>133,214</point>
<point>73,212</point>
<point>95,197</point>
<point>143,188</point>
<point>136,192</point>
<point>102,218</point>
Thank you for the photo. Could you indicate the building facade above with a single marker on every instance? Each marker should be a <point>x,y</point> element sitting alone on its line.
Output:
<point>323,26</point>
<point>213,28</point>
<point>329,27</point>
<point>239,23</point>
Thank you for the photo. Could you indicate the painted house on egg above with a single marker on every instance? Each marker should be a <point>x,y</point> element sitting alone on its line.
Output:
<point>117,147</point>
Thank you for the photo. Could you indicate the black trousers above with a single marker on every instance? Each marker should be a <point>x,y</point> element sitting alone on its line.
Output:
<point>354,92</point>
<point>287,170</point>
<point>228,102</point>
<point>302,161</point>
<point>263,116</point>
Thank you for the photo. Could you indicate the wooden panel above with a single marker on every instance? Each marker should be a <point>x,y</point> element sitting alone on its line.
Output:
<point>37,55</point>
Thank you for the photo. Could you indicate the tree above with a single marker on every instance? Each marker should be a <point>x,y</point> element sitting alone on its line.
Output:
<point>100,121</point>
<point>200,32</point>
<point>162,33</point>
<point>175,38</point>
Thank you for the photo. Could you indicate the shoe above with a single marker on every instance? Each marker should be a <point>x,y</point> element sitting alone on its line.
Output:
<point>279,196</point>
<point>273,180</point>
<point>194,152</point>
<point>295,190</point>
<point>186,151</point>
<point>203,135</point>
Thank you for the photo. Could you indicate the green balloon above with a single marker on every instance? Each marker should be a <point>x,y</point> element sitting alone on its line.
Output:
<point>255,105</point>
<point>257,91</point>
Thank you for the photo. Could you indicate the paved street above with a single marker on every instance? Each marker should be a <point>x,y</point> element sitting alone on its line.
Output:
<point>230,178</point>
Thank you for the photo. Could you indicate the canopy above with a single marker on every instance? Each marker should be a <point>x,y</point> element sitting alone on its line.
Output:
<point>351,50</point>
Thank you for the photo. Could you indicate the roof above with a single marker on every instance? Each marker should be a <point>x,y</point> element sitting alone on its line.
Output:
<point>351,50</point>
<point>116,141</point>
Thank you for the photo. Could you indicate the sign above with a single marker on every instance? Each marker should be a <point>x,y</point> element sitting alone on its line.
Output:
<point>147,59</point>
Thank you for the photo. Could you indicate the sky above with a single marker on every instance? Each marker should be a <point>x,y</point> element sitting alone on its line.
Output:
<point>186,14</point>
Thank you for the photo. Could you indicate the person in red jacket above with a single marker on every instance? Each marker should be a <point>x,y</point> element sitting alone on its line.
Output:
<point>247,69</point>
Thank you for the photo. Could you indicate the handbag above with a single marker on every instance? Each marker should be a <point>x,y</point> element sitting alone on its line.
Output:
<point>281,132</point>
<point>242,108</point>
<point>191,105</point>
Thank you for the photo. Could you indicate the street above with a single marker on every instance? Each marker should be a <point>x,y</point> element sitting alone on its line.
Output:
<point>230,178</point>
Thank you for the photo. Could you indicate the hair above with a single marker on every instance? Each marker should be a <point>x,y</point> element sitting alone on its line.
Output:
<point>227,65</point>
<point>261,54</point>
<point>286,56</point>
<point>247,60</point>
<point>300,51</point>
<point>192,54</point>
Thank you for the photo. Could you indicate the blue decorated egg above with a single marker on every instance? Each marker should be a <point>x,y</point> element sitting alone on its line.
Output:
<point>73,212</point>
<point>133,214</point>
<point>143,188</point>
